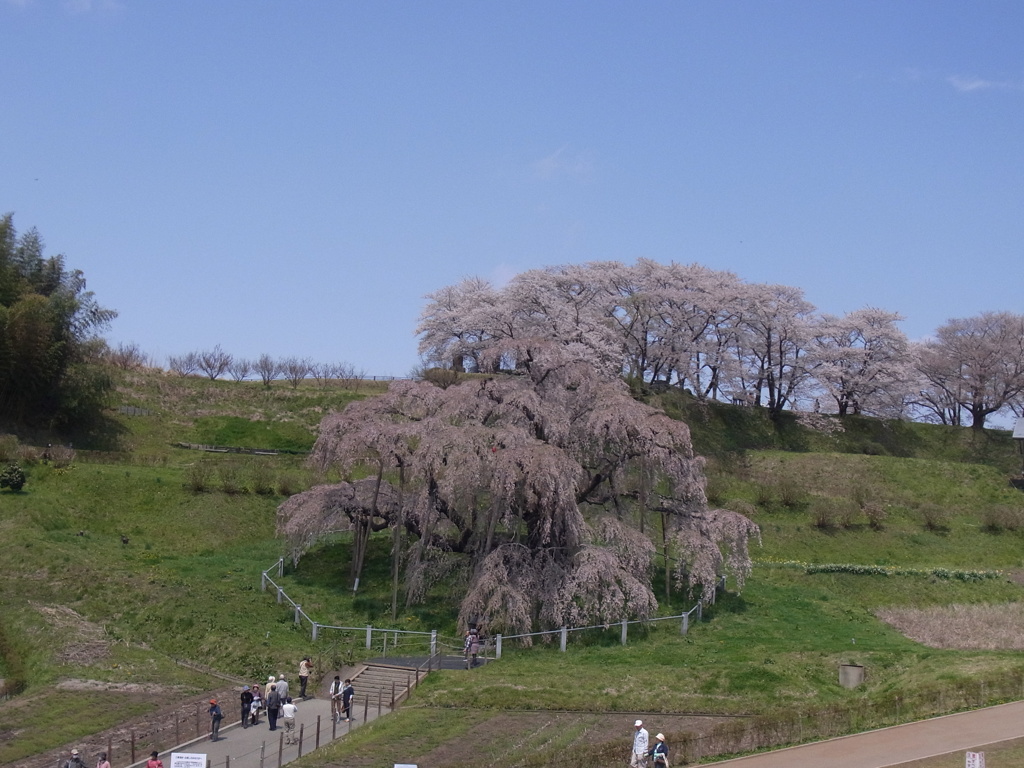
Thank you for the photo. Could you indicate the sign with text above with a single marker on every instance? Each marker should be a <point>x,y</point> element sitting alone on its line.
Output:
<point>188,760</point>
<point>975,760</point>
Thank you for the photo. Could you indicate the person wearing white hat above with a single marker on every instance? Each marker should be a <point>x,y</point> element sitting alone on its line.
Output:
<point>75,761</point>
<point>638,759</point>
<point>660,752</point>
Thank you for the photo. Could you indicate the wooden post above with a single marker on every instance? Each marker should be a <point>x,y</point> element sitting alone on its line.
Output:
<point>334,727</point>
<point>263,752</point>
<point>110,749</point>
<point>301,727</point>
<point>392,695</point>
<point>380,696</point>
<point>198,733</point>
<point>316,744</point>
<point>177,730</point>
<point>133,746</point>
<point>366,707</point>
<point>280,750</point>
<point>227,761</point>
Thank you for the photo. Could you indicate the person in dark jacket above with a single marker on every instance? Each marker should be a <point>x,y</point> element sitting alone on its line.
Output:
<point>273,706</point>
<point>659,752</point>
<point>216,715</point>
<point>246,705</point>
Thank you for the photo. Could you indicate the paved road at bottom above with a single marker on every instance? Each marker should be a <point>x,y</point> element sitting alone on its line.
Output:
<point>898,744</point>
<point>259,747</point>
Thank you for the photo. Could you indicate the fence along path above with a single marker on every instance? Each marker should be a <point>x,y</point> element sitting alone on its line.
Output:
<point>404,641</point>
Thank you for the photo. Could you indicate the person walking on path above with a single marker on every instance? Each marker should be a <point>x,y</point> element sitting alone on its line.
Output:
<point>75,760</point>
<point>347,694</point>
<point>215,717</point>
<point>660,752</point>
<point>288,710</point>
<point>282,688</point>
<point>273,707</point>
<point>335,693</point>
<point>246,699</point>
<point>154,760</point>
<point>638,759</point>
<point>305,670</point>
<point>102,762</point>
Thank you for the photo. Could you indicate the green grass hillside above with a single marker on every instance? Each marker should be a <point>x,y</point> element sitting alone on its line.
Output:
<point>856,516</point>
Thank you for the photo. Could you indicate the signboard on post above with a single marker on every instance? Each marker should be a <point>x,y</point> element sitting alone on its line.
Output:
<point>975,760</point>
<point>188,760</point>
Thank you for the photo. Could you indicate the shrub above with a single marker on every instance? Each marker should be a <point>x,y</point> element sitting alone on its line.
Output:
<point>846,512</point>
<point>824,513</point>
<point>791,493</point>
<point>934,517</point>
<point>765,495</point>
<point>13,477</point>
<point>229,473</point>
<point>261,478</point>
<point>1003,518</point>
<point>876,514</point>
<point>8,448</point>
<point>197,476</point>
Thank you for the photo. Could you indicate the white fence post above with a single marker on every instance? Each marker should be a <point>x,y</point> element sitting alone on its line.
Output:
<point>280,568</point>
<point>565,637</point>
<point>316,628</point>
<point>497,647</point>
<point>369,636</point>
<point>433,643</point>
<point>686,624</point>
<point>298,614</point>
<point>625,631</point>
<point>280,594</point>
<point>263,582</point>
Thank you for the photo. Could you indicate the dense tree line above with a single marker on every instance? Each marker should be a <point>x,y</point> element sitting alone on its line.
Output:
<point>722,338</point>
<point>50,348</point>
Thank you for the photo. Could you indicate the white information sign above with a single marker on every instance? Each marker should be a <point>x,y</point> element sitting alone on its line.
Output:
<point>975,760</point>
<point>188,760</point>
<point>405,765</point>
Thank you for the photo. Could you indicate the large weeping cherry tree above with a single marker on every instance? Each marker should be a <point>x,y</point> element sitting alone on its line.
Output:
<point>541,488</point>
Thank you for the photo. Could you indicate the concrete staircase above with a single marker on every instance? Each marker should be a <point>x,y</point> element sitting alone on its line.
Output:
<point>378,685</point>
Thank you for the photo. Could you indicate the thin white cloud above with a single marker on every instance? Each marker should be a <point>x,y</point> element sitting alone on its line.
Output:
<point>88,6</point>
<point>971,84</point>
<point>562,163</point>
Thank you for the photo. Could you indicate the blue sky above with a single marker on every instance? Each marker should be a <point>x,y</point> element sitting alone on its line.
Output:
<point>293,177</point>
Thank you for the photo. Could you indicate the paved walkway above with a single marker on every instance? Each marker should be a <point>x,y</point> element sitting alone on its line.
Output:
<point>259,747</point>
<point>899,744</point>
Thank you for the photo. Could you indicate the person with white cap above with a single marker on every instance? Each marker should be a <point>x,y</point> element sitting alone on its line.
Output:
<point>638,759</point>
<point>75,761</point>
<point>660,752</point>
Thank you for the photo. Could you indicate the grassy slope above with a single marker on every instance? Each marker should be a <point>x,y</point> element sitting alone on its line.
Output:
<point>187,584</point>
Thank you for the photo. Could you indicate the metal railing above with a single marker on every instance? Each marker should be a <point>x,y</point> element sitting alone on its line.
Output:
<point>399,636</point>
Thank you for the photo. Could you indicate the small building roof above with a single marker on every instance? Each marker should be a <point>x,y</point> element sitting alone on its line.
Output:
<point>1018,429</point>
